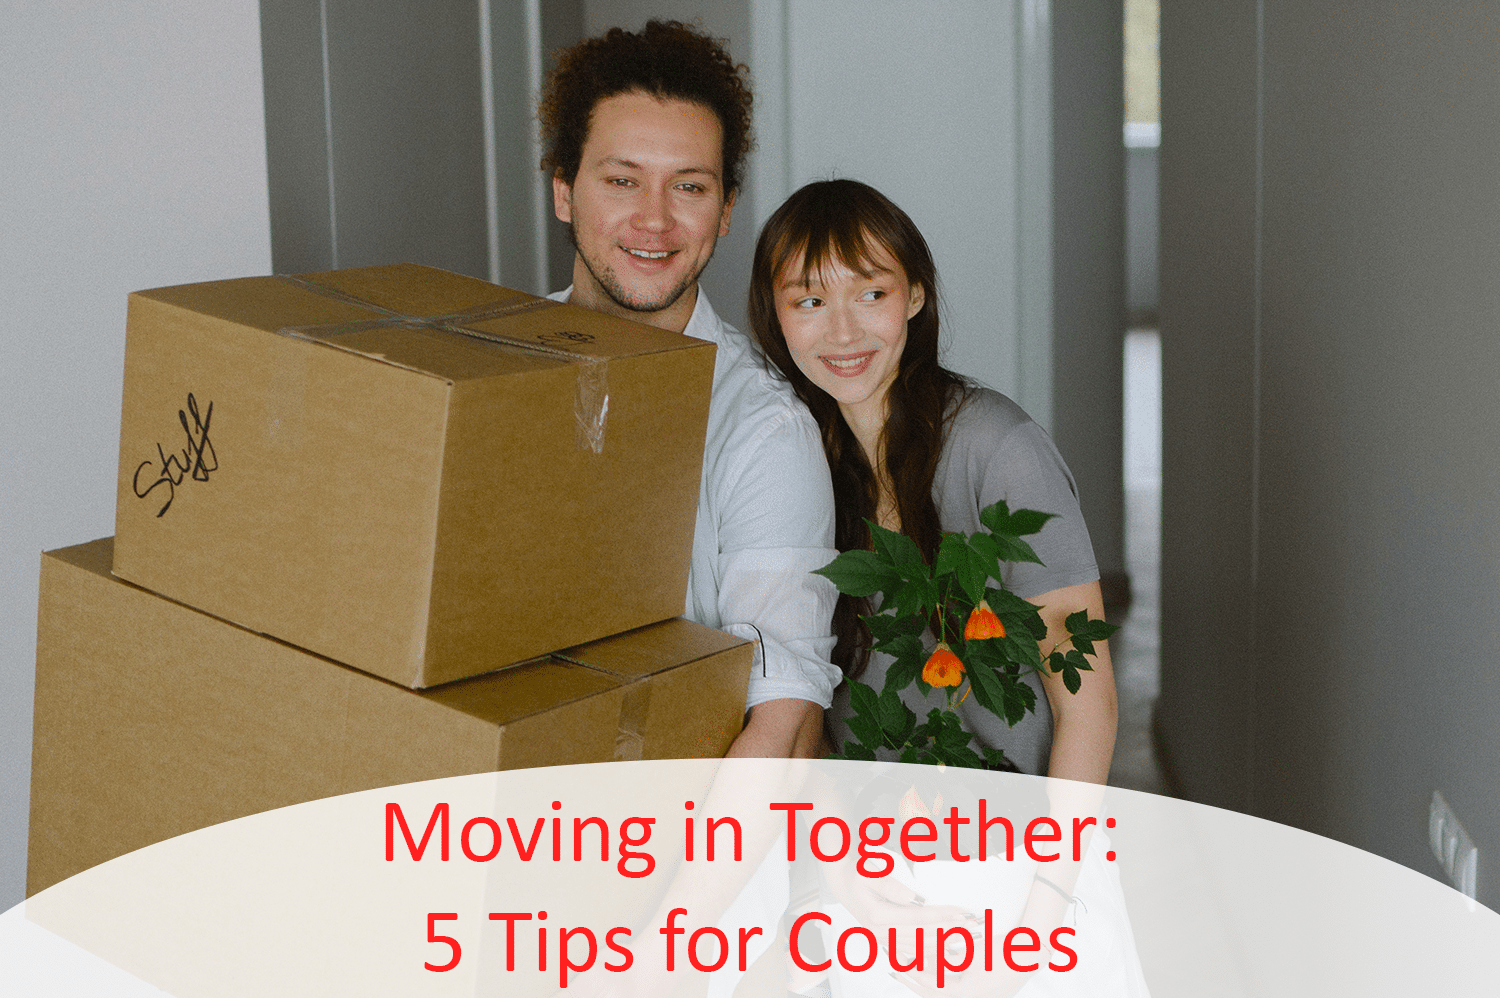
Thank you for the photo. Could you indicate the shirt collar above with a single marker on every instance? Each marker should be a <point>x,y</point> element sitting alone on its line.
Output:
<point>703,324</point>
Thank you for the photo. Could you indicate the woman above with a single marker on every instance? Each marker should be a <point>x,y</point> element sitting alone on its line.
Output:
<point>843,298</point>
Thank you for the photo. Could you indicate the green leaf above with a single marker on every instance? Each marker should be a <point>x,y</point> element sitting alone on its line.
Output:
<point>933,725</point>
<point>908,722</point>
<point>951,552</point>
<point>989,656</point>
<point>1077,626</point>
<point>952,734</point>
<point>854,751</point>
<point>1085,631</point>
<point>987,548</point>
<point>1003,602</point>
<point>1000,520</point>
<point>996,516</point>
<point>1099,630</point>
<point>993,756</point>
<point>910,656</point>
<point>969,565</point>
<point>959,756</point>
<point>1021,648</point>
<point>886,627</point>
<point>896,718</point>
<point>1008,528</point>
<point>984,559</point>
<point>1069,665</point>
<point>1015,549</point>
<point>860,573</point>
<point>1075,659</point>
<point>1019,616</point>
<point>865,724</point>
<point>909,596</point>
<point>978,568</point>
<point>862,698</point>
<point>898,548</point>
<point>916,572</point>
<point>984,681</point>
<point>1019,699</point>
<point>967,758</point>
<point>867,730</point>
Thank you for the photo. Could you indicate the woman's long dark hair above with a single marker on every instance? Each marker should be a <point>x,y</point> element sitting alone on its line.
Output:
<point>848,222</point>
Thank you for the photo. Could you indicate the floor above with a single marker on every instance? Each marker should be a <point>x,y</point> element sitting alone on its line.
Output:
<point>1135,649</point>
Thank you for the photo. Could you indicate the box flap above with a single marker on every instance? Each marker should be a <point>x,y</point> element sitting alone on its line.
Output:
<point>649,650</point>
<point>520,691</point>
<point>537,333</point>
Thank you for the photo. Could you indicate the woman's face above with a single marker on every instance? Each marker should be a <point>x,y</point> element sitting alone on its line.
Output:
<point>846,331</point>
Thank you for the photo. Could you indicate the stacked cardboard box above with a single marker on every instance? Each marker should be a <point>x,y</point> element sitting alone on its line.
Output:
<point>419,503</point>
<point>350,539</point>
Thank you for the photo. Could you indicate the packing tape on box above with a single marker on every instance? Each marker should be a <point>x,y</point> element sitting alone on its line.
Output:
<point>591,398</point>
<point>635,711</point>
<point>635,707</point>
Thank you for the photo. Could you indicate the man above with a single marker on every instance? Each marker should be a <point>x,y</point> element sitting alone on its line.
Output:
<point>646,135</point>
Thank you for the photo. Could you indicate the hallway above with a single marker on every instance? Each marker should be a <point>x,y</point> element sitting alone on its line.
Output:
<point>1135,649</point>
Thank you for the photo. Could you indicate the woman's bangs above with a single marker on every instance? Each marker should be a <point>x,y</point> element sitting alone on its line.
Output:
<point>826,246</point>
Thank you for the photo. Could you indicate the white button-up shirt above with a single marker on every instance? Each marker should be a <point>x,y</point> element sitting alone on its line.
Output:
<point>765,521</point>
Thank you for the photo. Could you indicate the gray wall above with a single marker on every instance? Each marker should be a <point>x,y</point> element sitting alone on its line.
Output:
<point>376,117</point>
<point>1329,310</point>
<point>133,157</point>
<point>1088,267</point>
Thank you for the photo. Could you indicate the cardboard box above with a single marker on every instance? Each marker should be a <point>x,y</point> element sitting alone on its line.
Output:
<point>154,719</point>
<point>417,502</point>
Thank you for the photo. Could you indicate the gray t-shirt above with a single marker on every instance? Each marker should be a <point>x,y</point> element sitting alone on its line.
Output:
<point>994,451</point>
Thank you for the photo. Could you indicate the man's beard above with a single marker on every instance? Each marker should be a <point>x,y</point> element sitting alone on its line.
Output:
<point>609,281</point>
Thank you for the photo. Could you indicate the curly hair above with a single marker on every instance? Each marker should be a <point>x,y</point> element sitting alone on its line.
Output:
<point>667,59</point>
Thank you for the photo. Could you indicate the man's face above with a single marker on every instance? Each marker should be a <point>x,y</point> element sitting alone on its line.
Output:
<point>646,208</point>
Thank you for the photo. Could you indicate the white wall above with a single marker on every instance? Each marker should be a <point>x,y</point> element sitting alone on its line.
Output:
<point>1329,310</point>
<point>133,157</point>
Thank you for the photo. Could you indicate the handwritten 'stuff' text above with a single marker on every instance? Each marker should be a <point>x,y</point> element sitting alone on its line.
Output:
<point>195,461</point>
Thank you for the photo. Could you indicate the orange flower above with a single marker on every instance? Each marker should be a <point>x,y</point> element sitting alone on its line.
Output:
<point>983,624</point>
<point>943,668</point>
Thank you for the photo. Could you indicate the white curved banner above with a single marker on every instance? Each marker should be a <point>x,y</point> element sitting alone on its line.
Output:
<point>749,878</point>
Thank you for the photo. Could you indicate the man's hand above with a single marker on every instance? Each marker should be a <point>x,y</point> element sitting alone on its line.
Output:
<point>781,729</point>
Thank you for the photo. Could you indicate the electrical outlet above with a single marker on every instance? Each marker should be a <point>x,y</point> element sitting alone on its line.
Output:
<point>1452,846</point>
